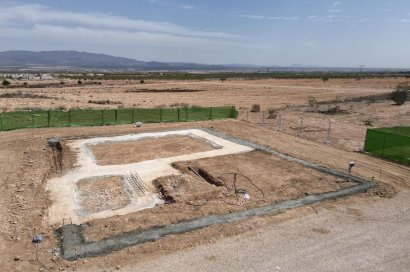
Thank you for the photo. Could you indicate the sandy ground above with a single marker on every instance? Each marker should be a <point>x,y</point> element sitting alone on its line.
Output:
<point>347,129</point>
<point>100,194</point>
<point>63,190</point>
<point>345,237</point>
<point>365,241</point>
<point>126,152</point>
<point>25,168</point>
<point>275,179</point>
<point>241,93</point>
<point>288,97</point>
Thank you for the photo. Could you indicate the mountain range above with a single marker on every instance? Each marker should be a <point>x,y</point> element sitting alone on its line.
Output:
<point>74,60</point>
<point>84,60</point>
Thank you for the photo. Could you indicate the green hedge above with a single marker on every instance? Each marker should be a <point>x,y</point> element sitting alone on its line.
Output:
<point>38,119</point>
<point>391,143</point>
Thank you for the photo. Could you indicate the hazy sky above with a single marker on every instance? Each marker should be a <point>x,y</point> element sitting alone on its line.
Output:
<point>375,33</point>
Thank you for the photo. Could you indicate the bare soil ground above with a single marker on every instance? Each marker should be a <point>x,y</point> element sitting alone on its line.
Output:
<point>239,92</point>
<point>126,152</point>
<point>25,164</point>
<point>25,167</point>
<point>347,129</point>
<point>287,96</point>
<point>272,180</point>
<point>99,194</point>
<point>351,237</point>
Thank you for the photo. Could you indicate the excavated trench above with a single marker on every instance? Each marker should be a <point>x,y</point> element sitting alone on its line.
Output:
<point>73,245</point>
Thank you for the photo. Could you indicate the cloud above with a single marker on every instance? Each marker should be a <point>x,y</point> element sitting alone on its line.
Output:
<point>29,16</point>
<point>261,17</point>
<point>187,7</point>
<point>329,18</point>
<point>38,27</point>
<point>335,11</point>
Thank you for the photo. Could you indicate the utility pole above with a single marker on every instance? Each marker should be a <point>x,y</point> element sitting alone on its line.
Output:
<point>361,66</point>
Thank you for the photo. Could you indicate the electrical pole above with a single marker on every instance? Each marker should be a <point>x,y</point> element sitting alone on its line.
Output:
<point>361,66</point>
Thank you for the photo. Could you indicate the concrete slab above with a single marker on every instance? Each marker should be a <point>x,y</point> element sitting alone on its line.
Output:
<point>64,192</point>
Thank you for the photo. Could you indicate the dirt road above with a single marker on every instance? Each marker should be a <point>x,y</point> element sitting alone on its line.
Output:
<point>349,237</point>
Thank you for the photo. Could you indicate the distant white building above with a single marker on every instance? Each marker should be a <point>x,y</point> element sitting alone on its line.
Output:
<point>29,76</point>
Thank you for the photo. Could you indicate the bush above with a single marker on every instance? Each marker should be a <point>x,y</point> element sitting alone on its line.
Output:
<point>6,82</point>
<point>255,108</point>
<point>312,103</point>
<point>104,102</point>
<point>179,105</point>
<point>400,94</point>
<point>272,114</point>
<point>368,122</point>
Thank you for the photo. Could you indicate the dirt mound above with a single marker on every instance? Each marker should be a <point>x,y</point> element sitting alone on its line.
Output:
<point>383,190</point>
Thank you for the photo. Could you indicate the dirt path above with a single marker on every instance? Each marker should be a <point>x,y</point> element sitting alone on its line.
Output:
<point>366,166</point>
<point>348,238</point>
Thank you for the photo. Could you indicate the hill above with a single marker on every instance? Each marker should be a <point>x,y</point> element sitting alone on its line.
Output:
<point>75,59</point>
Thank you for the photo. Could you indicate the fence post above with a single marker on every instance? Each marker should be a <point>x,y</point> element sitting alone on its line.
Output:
<point>32,118</point>
<point>69,118</point>
<point>263,117</point>
<point>328,131</point>
<point>160,114</point>
<point>384,140</point>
